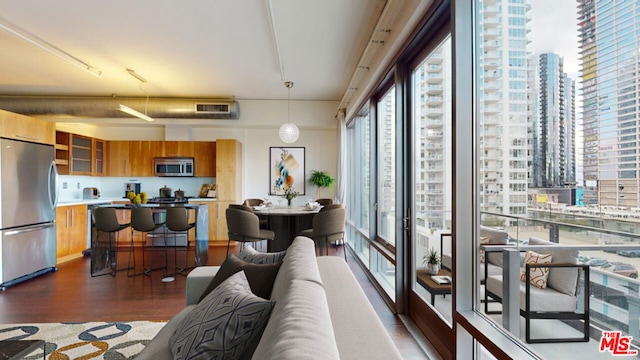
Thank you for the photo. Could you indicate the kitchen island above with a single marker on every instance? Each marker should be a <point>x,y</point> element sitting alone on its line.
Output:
<point>201,254</point>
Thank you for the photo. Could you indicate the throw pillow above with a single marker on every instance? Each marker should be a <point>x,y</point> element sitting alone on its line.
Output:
<point>250,254</point>
<point>538,276</point>
<point>260,276</point>
<point>484,240</point>
<point>223,324</point>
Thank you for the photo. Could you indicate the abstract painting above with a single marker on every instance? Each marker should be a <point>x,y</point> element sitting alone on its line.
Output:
<point>286,169</point>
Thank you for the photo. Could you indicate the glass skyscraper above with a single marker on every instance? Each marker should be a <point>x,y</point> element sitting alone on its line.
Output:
<point>609,42</point>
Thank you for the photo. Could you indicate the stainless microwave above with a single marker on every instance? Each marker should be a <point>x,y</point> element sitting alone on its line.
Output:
<point>171,166</point>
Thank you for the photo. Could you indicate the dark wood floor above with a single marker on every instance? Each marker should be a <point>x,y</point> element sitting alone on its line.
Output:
<point>72,295</point>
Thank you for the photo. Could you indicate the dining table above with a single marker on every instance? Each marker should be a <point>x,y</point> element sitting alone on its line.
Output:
<point>286,222</point>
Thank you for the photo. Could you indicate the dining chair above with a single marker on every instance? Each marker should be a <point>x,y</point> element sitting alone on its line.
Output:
<point>178,222</point>
<point>244,226</point>
<point>253,202</point>
<point>324,201</point>
<point>331,206</point>
<point>328,226</point>
<point>106,221</point>
<point>142,221</point>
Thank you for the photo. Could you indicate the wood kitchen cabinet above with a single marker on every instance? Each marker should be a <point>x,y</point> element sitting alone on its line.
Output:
<point>229,170</point>
<point>178,149</point>
<point>141,155</point>
<point>80,155</point>
<point>21,127</point>
<point>71,231</point>
<point>99,157</point>
<point>118,158</point>
<point>205,158</point>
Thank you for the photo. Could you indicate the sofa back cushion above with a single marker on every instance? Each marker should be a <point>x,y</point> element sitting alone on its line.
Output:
<point>494,236</point>
<point>564,280</point>
<point>300,326</point>
<point>299,263</point>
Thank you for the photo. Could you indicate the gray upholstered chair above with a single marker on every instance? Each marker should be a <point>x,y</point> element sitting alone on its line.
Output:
<point>178,222</point>
<point>142,221</point>
<point>331,206</point>
<point>242,207</point>
<point>253,202</point>
<point>106,221</point>
<point>248,206</point>
<point>244,226</point>
<point>324,202</point>
<point>328,226</point>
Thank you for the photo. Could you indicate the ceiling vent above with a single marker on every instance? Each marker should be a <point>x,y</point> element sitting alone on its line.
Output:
<point>213,108</point>
<point>107,107</point>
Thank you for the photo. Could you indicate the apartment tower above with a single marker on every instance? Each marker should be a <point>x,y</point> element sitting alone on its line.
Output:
<point>609,43</point>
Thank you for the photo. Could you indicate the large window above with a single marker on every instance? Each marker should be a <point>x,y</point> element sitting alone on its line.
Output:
<point>386,152</point>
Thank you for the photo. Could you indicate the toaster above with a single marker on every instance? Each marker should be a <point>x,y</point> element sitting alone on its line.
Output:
<point>90,193</point>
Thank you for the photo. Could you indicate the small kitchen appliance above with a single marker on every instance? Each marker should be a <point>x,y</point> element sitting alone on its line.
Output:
<point>90,193</point>
<point>131,186</point>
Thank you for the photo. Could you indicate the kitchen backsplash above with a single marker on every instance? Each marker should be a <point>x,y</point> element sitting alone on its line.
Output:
<point>70,186</point>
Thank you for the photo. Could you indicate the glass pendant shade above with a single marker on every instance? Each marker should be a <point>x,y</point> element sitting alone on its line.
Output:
<point>289,133</point>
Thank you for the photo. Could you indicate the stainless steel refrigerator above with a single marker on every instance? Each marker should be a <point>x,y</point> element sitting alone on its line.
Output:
<point>28,197</point>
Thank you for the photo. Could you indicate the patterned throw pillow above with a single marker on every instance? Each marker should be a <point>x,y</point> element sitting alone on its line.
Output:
<point>538,276</point>
<point>250,254</point>
<point>223,323</point>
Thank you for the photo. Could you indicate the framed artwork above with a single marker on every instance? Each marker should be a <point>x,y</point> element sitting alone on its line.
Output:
<point>286,170</point>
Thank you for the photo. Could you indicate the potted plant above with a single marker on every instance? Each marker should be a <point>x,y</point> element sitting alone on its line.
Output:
<point>321,179</point>
<point>432,260</point>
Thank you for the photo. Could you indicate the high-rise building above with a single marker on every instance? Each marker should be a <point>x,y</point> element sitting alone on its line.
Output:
<point>609,46</point>
<point>552,125</point>
<point>503,105</point>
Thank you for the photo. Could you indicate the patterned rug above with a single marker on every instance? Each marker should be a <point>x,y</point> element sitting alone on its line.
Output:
<point>90,340</point>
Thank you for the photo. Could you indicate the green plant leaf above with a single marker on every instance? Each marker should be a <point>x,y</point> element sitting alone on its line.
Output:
<point>321,179</point>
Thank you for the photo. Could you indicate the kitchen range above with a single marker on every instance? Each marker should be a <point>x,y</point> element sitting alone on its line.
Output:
<point>28,197</point>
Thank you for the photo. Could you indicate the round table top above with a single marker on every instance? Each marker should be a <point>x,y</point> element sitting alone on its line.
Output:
<point>285,210</point>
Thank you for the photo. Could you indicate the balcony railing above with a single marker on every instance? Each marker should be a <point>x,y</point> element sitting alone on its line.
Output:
<point>614,302</point>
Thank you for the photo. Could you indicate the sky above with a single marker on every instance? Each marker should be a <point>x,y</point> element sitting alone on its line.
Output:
<point>554,28</point>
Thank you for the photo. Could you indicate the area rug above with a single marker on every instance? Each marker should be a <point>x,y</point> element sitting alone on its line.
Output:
<point>89,340</point>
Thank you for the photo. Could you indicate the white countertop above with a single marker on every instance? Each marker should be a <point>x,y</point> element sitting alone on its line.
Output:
<point>108,200</point>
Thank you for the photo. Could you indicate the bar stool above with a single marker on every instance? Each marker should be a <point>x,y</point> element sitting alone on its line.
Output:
<point>142,221</point>
<point>106,221</point>
<point>178,222</point>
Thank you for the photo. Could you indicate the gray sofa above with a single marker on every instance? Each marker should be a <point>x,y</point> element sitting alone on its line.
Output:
<point>320,312</point>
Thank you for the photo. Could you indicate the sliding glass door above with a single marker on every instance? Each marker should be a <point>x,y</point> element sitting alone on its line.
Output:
<point>431,189</point>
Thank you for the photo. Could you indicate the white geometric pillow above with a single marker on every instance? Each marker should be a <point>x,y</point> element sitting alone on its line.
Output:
<point>538,276</point>
<point>223,324</point>
<point>251,255</point>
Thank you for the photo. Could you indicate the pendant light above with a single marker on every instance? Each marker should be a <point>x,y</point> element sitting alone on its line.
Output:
<point>289,131</point>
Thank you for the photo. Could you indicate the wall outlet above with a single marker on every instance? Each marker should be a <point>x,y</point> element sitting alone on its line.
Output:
<point>64,185</point>
<point>78,186</point>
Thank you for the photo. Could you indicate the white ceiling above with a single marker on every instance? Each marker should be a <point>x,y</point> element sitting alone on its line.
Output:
<point>213,48</point>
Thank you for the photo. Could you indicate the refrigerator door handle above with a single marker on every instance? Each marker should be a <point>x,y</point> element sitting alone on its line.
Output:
<point>53,177</point>
<point>28,229</point>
